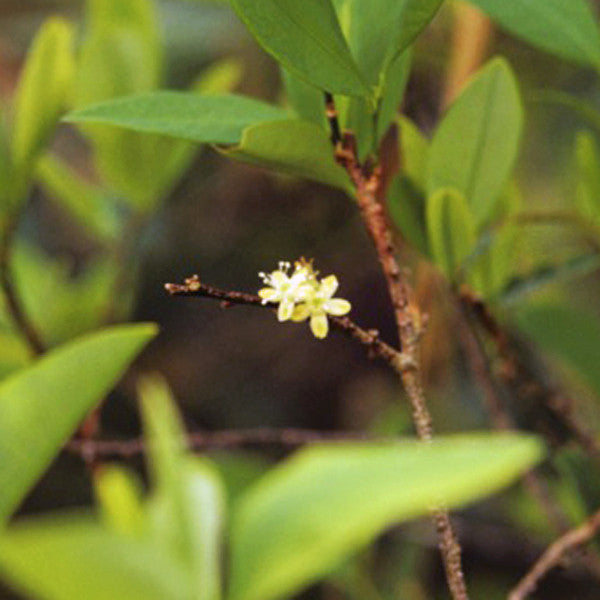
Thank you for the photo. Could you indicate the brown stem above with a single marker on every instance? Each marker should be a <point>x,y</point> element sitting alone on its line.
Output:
<point>409,321</point>
<point>193,287</point>
<point>229,438</point>
<point>553,555</point>
<point>11,296</point>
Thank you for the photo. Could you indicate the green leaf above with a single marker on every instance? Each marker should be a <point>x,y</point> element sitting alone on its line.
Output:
<point>575,267</point>
<point>414,152</point>
<point>42,92</point>
<point>5,166</point>
<point>476,144</point>
<point>211,119</point>
<point>119,495</point>
<point>92,209</point>
<point>406,205</point>
<point>567,28</point>
<point>305,37</point>
<point>71,559</point>
<point>306,100</point>
<point>567,333</point>
<point>377,36</point>
<point>41,405</point>
<point>317,508</point>
<point>451,230</point>
<point>188,504</point>
<point>70,305</point>
<point>587,158</point>
<point>293,147</point>
<point>121,52</point>
<point>220,77</point>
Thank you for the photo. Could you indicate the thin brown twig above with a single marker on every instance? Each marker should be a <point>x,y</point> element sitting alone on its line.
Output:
<point>377,348</point>
<point>368,184</point>
<point>13,302</point>
<point>554,554</point>
<point>228,438</point>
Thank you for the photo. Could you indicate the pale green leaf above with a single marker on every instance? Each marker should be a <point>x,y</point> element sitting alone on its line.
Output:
<point>477,142</point>
<point>451,230</point>
<point>566,333</point>
<point>70,305</point>
<point>553,274</point>
<point>63,558</point>
<point>293,147</point>
<point>567,28</point>
<point>41,405</point>
<point>188,504</point>
<point>414,152</point>
<point>587,158</point>
<point>121,51</point>
<point>221,77</point>
<point>43,89</point>
<point>212,119</point>
<point>323,504</point>
<point>119,495</point>
<point>406,205</point>
<point>91,208</point>
<point>305,37</point>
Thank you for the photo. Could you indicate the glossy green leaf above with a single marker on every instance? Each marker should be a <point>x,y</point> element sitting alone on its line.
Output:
<point>41,405</point>
<point>188,504</point>
<point>451,230</point>
<point>293,147</point>
<point>392,92</point>
<point>567,333</point>
<point>306,100</point>
<point>567,28</point>
<point>378,33</point>
<point>71,559</point>
<point>305,37</point>
<point>324,503</point>
<point>90,207</point>
<point>43,89</point>
<point>476,144</point>
<point>212,119</point>
<point>587,158</point>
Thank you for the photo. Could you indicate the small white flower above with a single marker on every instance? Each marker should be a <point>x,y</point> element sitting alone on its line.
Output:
<point>286,289</point>
<point>318,304</point>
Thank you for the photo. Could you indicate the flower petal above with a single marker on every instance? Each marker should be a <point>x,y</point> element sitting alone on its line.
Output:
<point>301,313</point>
<point>319,325</point>
<point>337,307</point>
<point>278,278</point>
<point>267,294</point>
<point>328,286</point>
<point>285,310</point>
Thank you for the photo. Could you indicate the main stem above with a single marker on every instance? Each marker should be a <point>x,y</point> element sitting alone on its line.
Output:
<point>408,320</point>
